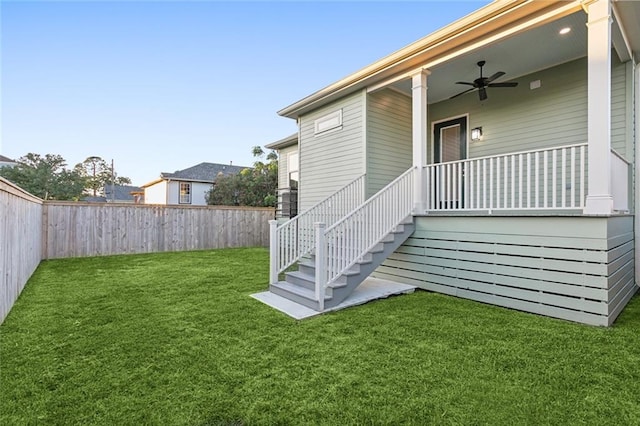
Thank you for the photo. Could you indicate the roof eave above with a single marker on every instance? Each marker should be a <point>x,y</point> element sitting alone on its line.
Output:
<point>480,22</point>
<point>284,142</point>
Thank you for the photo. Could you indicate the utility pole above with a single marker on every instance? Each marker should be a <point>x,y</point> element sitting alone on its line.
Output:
<point>113,182</point>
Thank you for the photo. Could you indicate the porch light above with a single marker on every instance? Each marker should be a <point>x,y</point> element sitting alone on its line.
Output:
<point>565,30</point>
<point>476,134</point>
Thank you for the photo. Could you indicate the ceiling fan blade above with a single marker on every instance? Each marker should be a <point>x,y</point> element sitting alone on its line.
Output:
<point>462,93</point>
<point>483,93</point>
<point>512,84</point>
<point>495,76</point>
<point>465,82</point>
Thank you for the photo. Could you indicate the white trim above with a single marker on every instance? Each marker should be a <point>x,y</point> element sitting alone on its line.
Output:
<point>636,186</point>
<point>328,122</point>
<point>289,171</point>
<point>599,198</point>
<point>365,126</point>
<point>180,192</point>
<point>419,137</point>
<point>433,129</point>
<point>406,75</point>
<point>618,31</point>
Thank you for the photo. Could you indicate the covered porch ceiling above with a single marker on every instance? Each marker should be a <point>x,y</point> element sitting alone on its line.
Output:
<point>519,55</point>
<point>517,37</point>
<point>529,51</point>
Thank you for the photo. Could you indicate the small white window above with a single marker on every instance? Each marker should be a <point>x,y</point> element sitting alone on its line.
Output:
<point>185,193</point>
<point>332,121</point>
<point>293,165</point>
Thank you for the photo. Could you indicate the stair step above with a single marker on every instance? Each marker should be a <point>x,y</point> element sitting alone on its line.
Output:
<point>298,294</point>
<point>307,267</point>
<point>301,279</point>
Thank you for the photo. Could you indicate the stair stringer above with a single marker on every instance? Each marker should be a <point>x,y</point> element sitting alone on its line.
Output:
<point>348,282</point>
<point>299,286</point>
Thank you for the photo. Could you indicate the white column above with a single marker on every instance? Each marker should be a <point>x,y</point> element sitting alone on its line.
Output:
<point>636,186</point>
<point>273,252</point>
<point>599,199</point>
<point>420,134</point>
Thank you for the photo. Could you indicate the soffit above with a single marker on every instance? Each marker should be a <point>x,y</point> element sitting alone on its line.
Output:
<point>521,54</point>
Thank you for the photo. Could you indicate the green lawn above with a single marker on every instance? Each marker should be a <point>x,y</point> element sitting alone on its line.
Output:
<point>176,339</point>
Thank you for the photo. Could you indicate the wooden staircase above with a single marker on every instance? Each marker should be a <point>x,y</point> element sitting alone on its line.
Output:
<point>299,286</point>
<point>337,244</point>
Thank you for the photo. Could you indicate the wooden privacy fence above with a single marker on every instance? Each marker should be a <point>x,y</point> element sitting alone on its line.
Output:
<point>20,241</point>
<point>83,229</point>
<point>32,230</point>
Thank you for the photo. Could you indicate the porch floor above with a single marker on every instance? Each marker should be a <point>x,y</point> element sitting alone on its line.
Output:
<point>370,289</point>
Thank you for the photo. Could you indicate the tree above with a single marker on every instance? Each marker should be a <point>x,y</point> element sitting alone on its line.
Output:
<point>97,174</point>
<point>45,177</point>
<point>251,187</point>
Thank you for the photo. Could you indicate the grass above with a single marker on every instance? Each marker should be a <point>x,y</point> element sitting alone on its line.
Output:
<point>176,339</point>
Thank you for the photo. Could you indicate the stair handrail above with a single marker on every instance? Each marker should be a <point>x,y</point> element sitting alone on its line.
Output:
<point>295,238</point>
<point>345,242</point>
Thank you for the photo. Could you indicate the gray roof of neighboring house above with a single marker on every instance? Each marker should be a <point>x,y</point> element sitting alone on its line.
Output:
<point>92,199</point>
<point>204,172</point>
<point>6,159</point>
<point>284,142</point>
<point>120,192</point>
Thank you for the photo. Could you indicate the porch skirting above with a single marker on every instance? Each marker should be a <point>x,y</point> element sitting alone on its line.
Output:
<point>575,268</point>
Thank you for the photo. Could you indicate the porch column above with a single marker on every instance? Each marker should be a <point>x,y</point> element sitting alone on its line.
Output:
<point>636,186</point>
<point>599,199</point>
<point>419,120</point>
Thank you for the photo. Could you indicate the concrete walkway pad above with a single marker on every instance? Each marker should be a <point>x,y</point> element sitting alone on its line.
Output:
<point>370,289</point>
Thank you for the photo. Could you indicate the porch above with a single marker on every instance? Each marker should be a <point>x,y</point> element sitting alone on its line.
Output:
<point>346,237</point>
<point>556,157</point>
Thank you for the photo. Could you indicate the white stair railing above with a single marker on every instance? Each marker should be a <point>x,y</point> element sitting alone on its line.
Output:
<point>551,178</point>
<point>345,242</point>
<point>295,238</point>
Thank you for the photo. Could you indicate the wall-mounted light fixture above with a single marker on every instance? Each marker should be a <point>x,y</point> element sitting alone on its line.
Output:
<point>476,134</point>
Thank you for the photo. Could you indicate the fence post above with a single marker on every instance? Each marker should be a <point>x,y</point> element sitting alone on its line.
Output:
<point>321,272</point>
<point>273,251</point>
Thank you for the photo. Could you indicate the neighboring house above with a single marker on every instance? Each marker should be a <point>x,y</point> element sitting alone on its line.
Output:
<point>123,194</point>
<point>7,162</point>
<point>521,195</point>
<point>288,175</point>
<point>188,186</point>
<point>118,194</point>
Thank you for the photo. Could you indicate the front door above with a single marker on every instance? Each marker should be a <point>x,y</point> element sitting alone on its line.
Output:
<point>450,145</point>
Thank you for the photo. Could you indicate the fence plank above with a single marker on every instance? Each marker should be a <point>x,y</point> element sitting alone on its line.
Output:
<point>83,229</point>
<point>21,242</point>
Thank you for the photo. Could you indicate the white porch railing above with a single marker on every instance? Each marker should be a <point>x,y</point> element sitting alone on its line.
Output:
<point>296,237</point>
<point>341,245</point>
<point>619,181</point>
<point>552,178</point>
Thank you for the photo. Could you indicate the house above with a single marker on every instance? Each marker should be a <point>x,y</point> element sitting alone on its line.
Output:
<point>188,186</point>
<point>123,194</point>
<point>288,170</point>
<point>118,194</point>
<point>491,160</point>
<point>7,162</point>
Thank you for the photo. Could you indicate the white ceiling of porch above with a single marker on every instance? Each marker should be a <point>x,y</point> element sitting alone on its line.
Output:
<point>519,55</point>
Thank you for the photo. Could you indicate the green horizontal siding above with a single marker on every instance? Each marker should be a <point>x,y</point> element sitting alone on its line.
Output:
<point>331,160</point>
<point>389,145</point>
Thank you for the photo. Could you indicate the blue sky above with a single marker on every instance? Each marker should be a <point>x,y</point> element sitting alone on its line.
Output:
<point>161,86</point>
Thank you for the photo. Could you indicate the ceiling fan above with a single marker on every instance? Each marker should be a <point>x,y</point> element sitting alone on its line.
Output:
<point>482,83</point>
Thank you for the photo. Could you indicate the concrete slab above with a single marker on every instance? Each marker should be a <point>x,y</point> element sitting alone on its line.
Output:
<point>370,289</point>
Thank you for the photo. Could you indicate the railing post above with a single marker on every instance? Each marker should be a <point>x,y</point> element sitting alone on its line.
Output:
<point>273,252</point>
<point>321,263</point>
